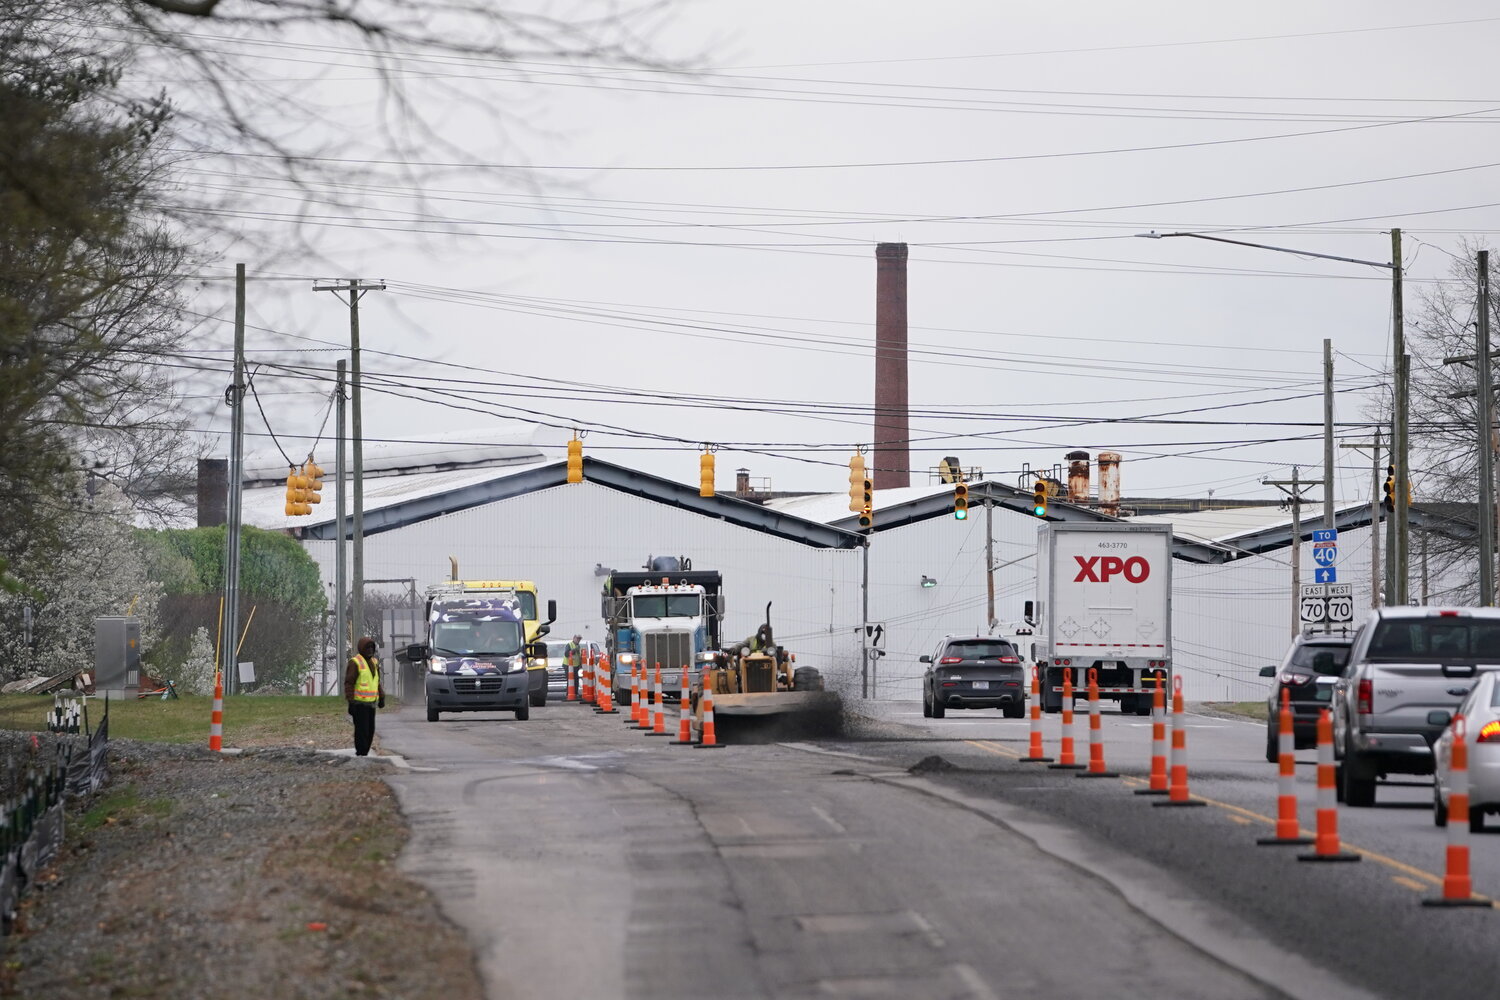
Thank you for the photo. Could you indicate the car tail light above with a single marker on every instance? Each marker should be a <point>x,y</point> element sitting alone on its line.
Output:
<point>1293,678</point>
<point>951,659</point>
<point>1366,697</point>
<point>1489,732</point>
<point>1010,659</point>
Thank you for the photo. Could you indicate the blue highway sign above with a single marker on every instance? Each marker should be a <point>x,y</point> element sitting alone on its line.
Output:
<point>1329,575</point>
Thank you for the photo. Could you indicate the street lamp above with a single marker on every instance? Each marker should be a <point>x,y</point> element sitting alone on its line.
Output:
<point>1400,373</point>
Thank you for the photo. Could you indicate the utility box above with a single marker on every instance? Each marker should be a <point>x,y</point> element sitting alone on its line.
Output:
<point>117,654</point>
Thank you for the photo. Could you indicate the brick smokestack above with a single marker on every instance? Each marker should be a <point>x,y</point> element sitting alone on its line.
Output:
<point>892,457</point>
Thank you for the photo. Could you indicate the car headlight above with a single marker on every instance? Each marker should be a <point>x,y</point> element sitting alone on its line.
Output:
<point>437,665</point>
<point>516,665</point>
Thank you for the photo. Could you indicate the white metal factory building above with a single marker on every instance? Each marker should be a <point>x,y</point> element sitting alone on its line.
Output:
<point>507,512</point>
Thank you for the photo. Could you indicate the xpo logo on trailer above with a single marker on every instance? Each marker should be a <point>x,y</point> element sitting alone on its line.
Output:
<point>1100,569</point>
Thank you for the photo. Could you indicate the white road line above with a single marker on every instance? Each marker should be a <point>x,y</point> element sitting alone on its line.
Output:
<point>823,815</point>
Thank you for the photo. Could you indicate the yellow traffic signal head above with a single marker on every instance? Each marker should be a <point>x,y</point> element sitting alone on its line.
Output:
<point>706,474</point>
<point>856,482</point>
<point>1039,499</point>
<point>866,503</point>
<point>575,461</point>
<point>961,502</point>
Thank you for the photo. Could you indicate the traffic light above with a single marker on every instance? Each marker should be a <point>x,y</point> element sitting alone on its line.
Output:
<point>575,461</point>
<point>1039,498</point>
<point>866,504</point>
<point>961,502</point>
<point>297,491</point>
<point>856,482</point>
<point>1390,488</point>
<point>706,474</point>
<point>313,473</point>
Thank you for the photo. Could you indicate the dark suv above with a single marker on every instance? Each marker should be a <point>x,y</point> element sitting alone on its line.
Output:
<point>978,671</point>
<point>1307,673</point>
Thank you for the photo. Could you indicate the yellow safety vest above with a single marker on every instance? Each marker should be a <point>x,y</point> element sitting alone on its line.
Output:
<point>367,683</point>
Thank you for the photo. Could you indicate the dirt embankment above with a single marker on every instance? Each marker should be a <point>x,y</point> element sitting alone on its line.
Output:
<point>268,875</point>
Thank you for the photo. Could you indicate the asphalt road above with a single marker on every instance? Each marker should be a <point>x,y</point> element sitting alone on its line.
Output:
<point>913,858</point>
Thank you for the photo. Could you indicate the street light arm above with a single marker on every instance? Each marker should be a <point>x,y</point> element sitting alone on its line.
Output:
<point>1264,246</point>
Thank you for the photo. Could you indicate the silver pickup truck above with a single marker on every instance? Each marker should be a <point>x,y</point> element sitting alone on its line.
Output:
<point>1405,663</point>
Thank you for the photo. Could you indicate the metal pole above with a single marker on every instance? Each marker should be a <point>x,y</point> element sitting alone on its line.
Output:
<point>235,398</point>
<point>989,560</point>
<point>1375,593</point>
<point>1328,479</point>
<point>864,628</point>
<point>1486,399</point>
<point>359,464</point>
<point>1390,533</point>
<point>1296,553</point>
<point>341,580</point>
<point>1400,439</point>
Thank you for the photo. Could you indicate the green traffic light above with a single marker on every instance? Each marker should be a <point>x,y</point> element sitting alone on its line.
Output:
<point>960,515</point>
<point>1039,510</point>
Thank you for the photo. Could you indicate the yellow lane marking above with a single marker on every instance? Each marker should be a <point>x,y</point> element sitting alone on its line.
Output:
<point>1410,883</point>
<point>1242,821</point>
<point>993,748</point>
<point>1422,878</point>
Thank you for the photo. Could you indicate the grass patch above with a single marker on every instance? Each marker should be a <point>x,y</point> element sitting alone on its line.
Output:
<point>249,721</point>
<point>1248,709</point>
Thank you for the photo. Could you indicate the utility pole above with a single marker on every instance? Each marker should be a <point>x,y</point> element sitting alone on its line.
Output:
<point>989,560</point>
<point>1293,488</point>
<point>1328,516</point>
<point>1486,400</point>
<point>354,289</point>
<point>235,397</point>
<point>1374,513</point>
<point>864,627</point>
<point>1400,437</point>
<point>341,580</point>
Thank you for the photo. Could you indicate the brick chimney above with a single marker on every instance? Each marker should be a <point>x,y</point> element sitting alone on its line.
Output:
<point>892,457</point>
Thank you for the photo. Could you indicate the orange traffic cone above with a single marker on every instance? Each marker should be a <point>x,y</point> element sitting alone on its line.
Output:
<point>1287,830</point>
<point>685,719</point>
<point>1158,784</point>
<point>606,692</point>
<point>1177,791</point>
<point>216,719</point>
<point>634,716</point>
<point>710,740</point>
<point>1096,734</point>
<point>1067,760</point>
<point>1037,752</point>
<point>659,714</point>
<point>1326,846</point>
<point>1458,886</point>
<point>645,722</point>
<point>573,675</point>
<point>588,678</point>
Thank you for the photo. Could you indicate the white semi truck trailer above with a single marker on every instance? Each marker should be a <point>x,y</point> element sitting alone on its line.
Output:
<point>1103,601</point>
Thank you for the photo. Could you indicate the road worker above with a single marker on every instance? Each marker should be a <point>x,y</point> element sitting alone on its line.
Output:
<point>364,692</point>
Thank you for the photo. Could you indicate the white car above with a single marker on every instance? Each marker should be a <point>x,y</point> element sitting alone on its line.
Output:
<point>1481,712</point>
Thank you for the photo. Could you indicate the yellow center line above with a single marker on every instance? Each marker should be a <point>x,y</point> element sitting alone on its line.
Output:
<point>1425,878</point>
<point>1410,883</point>
<point>1242,821</point>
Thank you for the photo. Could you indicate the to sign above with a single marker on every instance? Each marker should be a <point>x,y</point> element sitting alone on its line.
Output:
<point>1325,535</point>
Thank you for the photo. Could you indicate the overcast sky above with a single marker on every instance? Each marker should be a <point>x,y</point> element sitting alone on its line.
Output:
<point>691,258</point>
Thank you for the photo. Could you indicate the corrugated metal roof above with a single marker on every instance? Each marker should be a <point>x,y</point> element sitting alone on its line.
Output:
<point>1231,523</point>
<point>830,507</point>
<point>265,507</point>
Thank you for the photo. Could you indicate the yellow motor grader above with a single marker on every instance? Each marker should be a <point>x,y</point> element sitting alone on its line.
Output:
<point>757,677</point>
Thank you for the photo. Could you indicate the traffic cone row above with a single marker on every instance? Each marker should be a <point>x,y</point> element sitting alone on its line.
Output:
<point>1067,760</point>
<point>1287,829</point>
<point>216,719</point>
<point>1037,753</point>
<point>1096,734</point>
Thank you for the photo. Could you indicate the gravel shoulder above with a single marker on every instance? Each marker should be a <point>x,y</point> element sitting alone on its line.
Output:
<point>270,874</point>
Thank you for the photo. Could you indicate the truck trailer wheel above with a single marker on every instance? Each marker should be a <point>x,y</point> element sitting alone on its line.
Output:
<point>1051,700</point>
